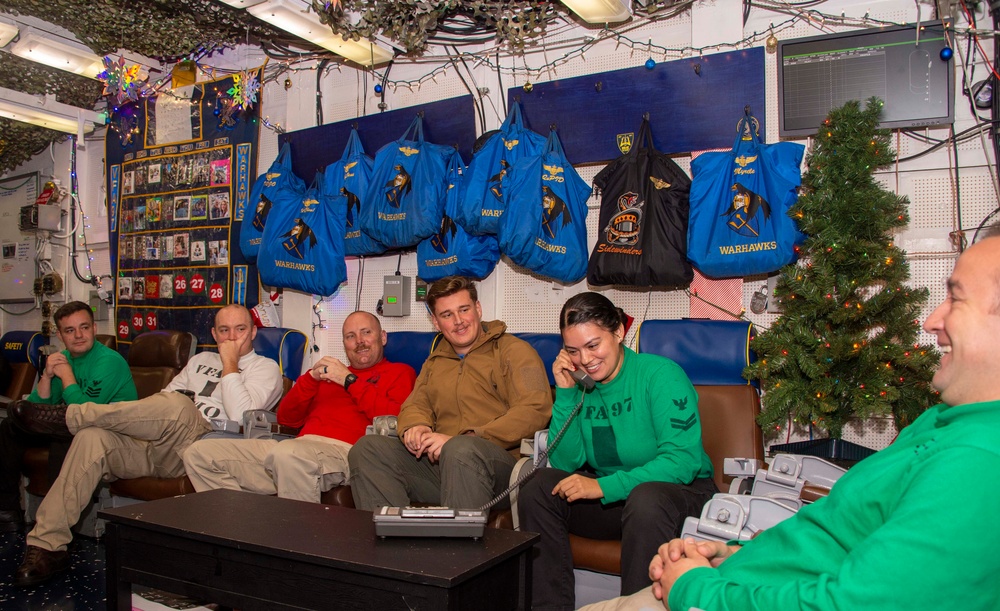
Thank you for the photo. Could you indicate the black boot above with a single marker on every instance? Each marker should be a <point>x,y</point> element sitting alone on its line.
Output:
<point>40,419</point>
<point>40,565</point>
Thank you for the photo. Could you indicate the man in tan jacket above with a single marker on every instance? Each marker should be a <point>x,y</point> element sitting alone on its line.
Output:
<point>478,394</point>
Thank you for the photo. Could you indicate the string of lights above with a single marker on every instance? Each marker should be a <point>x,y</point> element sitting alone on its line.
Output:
<point>492,57</point>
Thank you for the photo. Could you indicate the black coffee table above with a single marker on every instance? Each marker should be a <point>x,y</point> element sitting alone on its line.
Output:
<point>259,552</point>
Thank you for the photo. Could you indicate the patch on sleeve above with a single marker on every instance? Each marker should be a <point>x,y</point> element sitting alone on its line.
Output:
<point>533,378</point>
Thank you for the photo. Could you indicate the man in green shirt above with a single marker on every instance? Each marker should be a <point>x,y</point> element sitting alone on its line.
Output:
<point>85,371</point>
<point>908,528</point>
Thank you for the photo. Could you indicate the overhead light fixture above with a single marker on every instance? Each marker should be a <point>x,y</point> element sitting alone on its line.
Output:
<point>63,55</point>
<point>601,11</point>
<point>364,52</point>
<point>241,3</point>
<point>292,16</point>
<point>8,30</point>
<point>45,111</point>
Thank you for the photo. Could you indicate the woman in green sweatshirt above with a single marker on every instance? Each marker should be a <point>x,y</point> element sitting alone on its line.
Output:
<point>629,466</point>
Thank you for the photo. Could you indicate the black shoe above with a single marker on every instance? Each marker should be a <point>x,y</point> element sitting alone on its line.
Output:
<point>39,566</point>
<point>40,419</point>
<point>11,521</point>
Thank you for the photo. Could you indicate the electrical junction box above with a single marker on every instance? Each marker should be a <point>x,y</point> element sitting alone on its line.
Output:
<point>396,296</point>
<point>49,217</point>
<point>44,218</point>
<point>98,306</point>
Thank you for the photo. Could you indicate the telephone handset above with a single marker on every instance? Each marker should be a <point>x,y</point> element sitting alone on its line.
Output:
<point>583,379</point>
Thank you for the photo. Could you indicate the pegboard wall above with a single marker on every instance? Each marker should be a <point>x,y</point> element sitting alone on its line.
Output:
<point>527,302</point>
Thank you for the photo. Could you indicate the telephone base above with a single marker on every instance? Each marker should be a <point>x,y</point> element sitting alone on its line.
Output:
<point>429,522</point>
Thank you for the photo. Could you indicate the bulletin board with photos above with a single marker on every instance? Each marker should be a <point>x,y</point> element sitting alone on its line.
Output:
<point>180,169</point>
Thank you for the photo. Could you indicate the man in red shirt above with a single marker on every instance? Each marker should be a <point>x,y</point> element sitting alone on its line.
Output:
<point>332,403</point>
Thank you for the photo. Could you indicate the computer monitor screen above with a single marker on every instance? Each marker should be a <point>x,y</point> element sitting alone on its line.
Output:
<point>819,73</point>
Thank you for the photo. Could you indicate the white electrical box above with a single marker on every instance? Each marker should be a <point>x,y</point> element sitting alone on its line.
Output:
<point>396,296</point>
<point>49,217</point>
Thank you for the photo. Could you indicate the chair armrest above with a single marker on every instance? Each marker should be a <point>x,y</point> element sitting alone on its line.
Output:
<point>811,493</point>
<point>520,468</point>
<point>541,445</point>
<point>263,424</point>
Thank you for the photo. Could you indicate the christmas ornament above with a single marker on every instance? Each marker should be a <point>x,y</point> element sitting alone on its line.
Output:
<point>771,44</point>
<point>650,64</point>
<point>947,53</point>
<point>122,83</point>
<point>244,90</point>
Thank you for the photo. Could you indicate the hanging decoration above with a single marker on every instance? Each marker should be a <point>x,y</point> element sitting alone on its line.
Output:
<point>123,83</point>
<point>127,127</point>
<point>227,110</point>
<point>184,74</point>
<point>244,91</point>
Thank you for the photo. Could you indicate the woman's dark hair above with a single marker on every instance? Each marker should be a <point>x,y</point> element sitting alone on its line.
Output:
<point>591,307</point>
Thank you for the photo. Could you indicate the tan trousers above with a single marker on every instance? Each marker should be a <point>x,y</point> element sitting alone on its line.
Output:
<point>117,441</point>
<point>643,600</point>
<point>301,468</point>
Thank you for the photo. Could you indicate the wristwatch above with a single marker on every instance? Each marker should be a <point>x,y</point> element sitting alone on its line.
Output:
<point>349,379</point>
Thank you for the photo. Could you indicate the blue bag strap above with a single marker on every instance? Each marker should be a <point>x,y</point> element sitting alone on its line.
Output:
<point>353,147</point>
<point>417,127</point>
<point>746,123</point>
<point>455,165</point>
<point>513,118</point>
<point>317,183</point>
<point>285,156</point>
<point>553,145</point>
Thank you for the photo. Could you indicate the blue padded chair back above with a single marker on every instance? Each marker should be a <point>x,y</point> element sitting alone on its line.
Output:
<point>286,346</point>
<point>711,352</point>
<point>547,345</point>
<point>410,347</point>
<point>22,346</point>
<point>413,347</point>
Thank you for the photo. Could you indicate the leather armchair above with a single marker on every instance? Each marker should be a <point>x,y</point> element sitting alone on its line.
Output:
<point>713,354</point>
<point>111,341</point>
<point>155,358</point>
<point>287,347</point>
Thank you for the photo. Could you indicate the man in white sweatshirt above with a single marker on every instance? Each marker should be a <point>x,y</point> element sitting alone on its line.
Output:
<point>142,438</point>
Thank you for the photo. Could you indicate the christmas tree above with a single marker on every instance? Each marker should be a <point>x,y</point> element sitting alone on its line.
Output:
<point>845,345</point>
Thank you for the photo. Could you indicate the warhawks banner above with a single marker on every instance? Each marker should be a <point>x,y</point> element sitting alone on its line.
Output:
<point>739,206</point>
<point>302,247</point>
<point>642,234</point>
<point>452,251</point>
<point>405,199</point>
<point>180,167</point>
<point>485,180</point>
<point>345,182</point>
<point>278,183</point>
<point>544,227</point>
